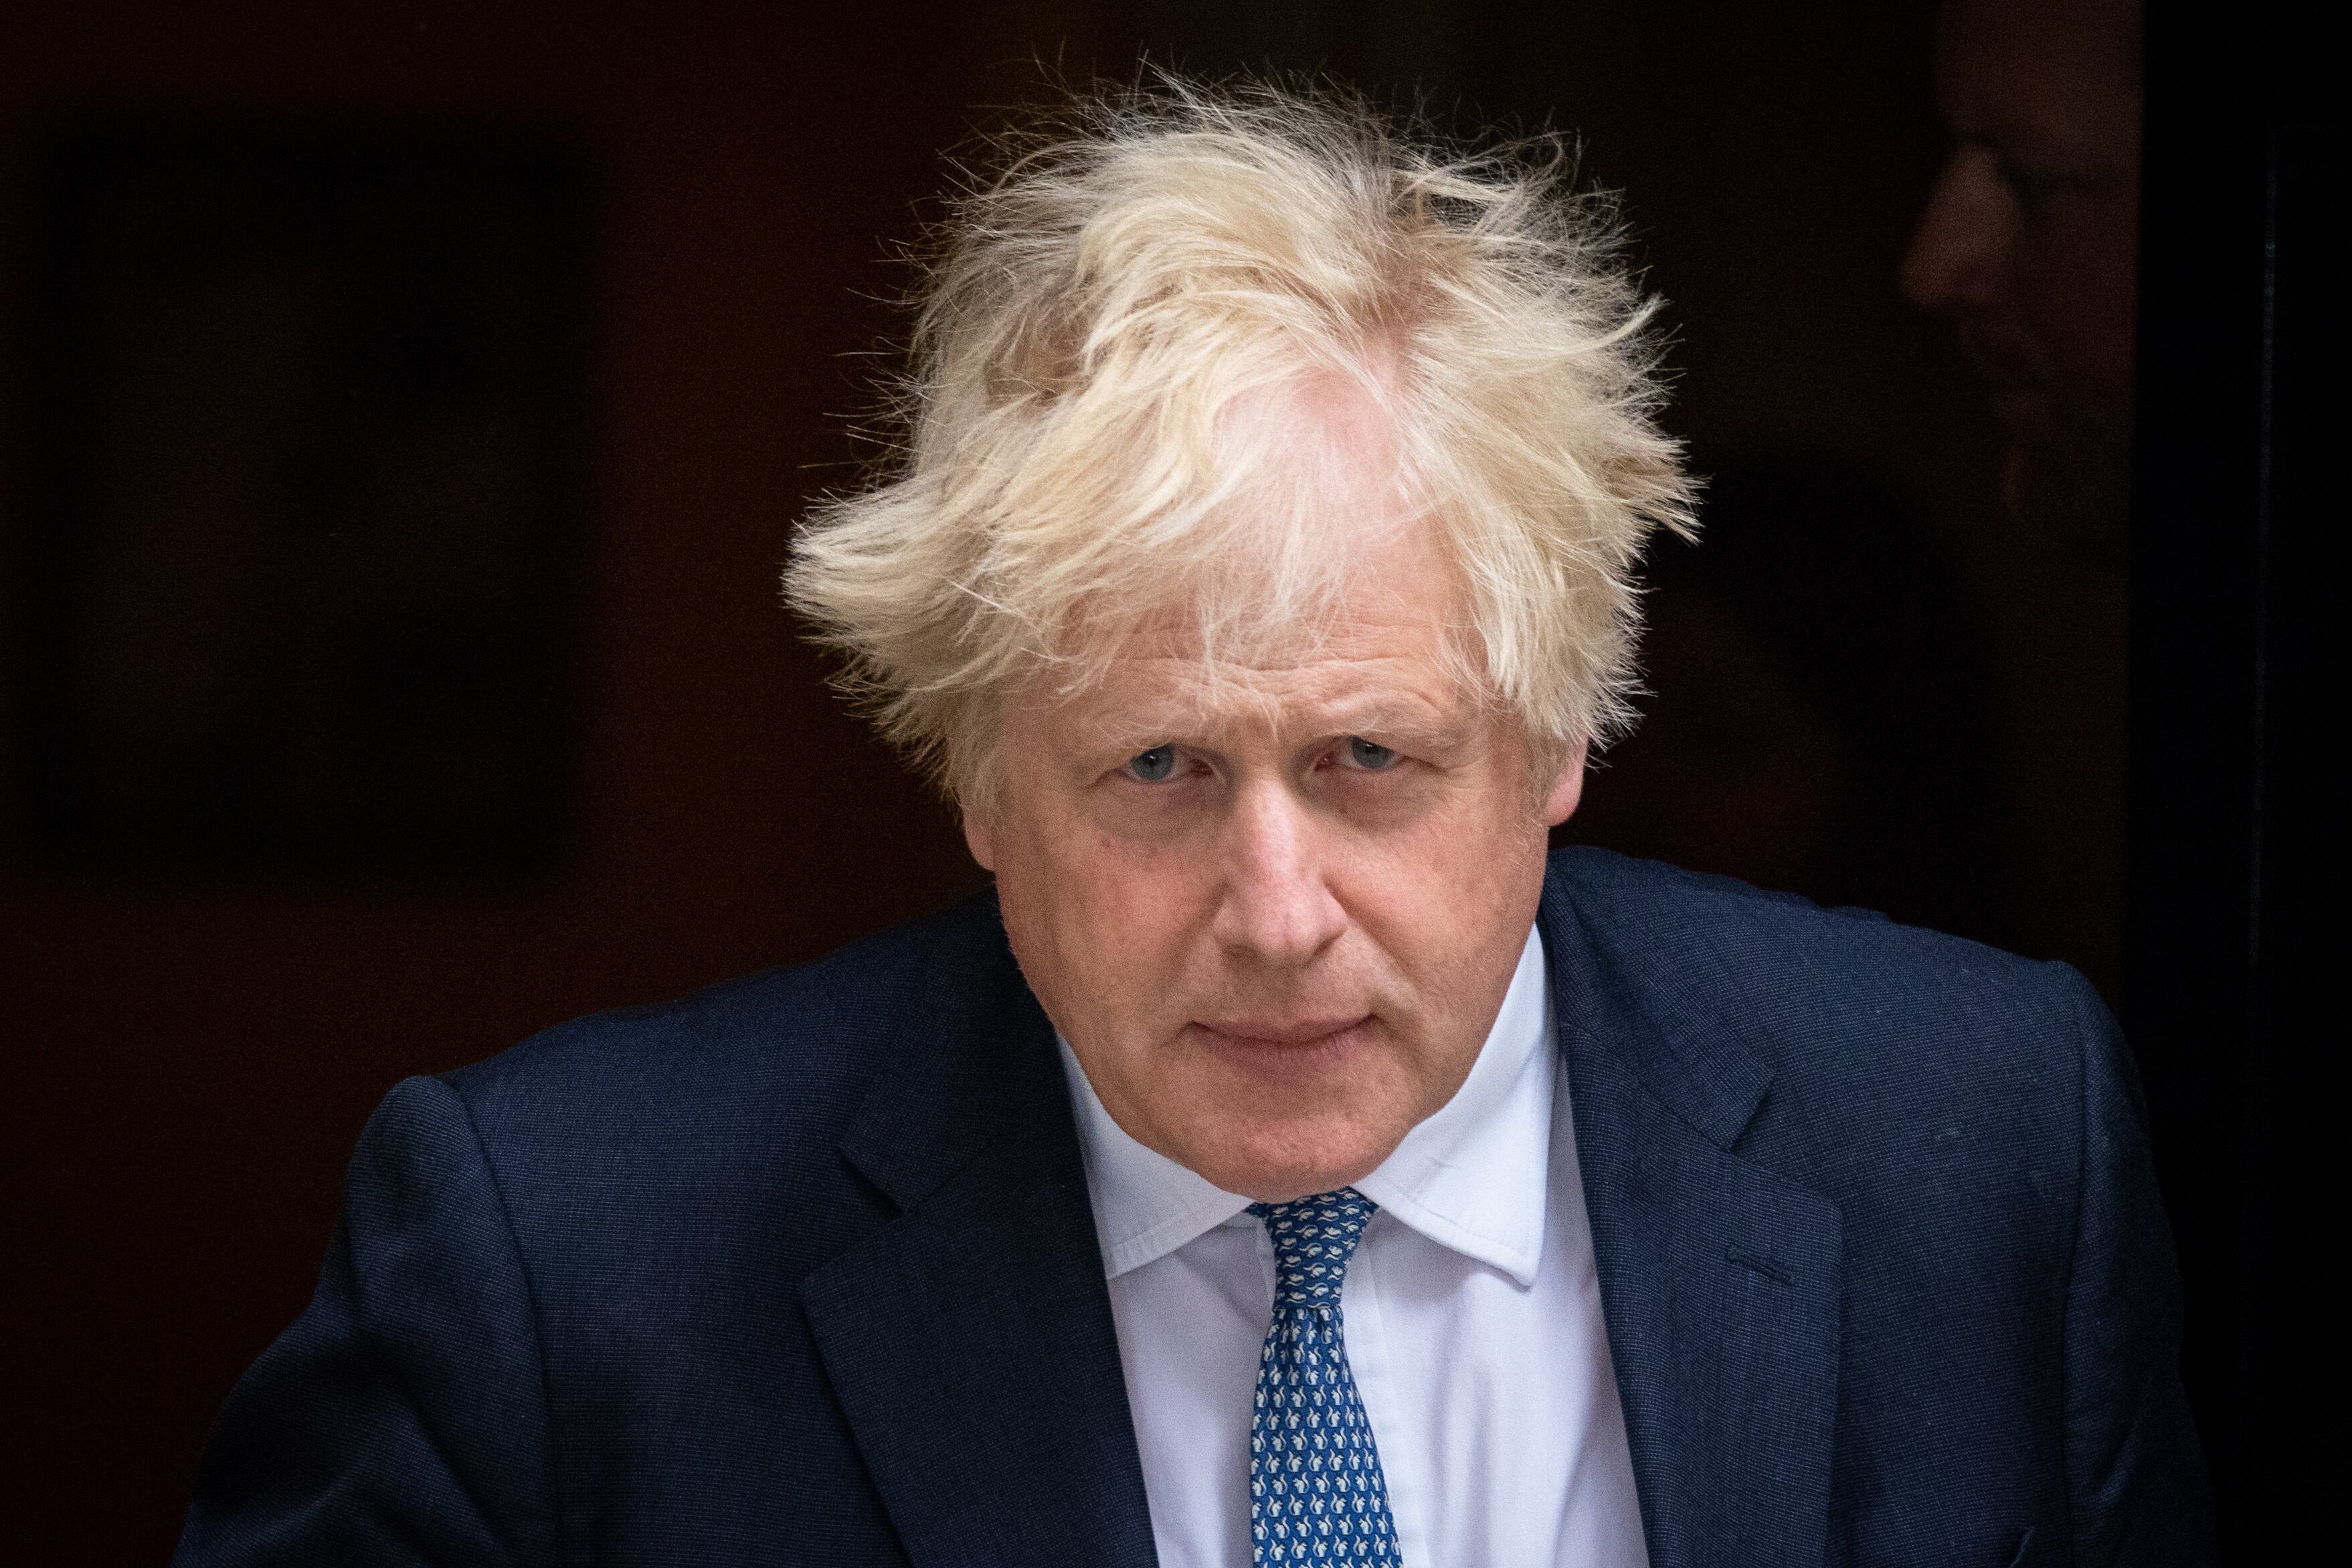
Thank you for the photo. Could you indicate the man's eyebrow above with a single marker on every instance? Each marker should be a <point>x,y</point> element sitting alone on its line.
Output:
<point>1410,722</point>
<point>1154,724</point>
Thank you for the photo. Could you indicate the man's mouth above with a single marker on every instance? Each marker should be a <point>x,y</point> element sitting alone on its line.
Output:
<point>1248,1032</point>
<point>1288,1051</point>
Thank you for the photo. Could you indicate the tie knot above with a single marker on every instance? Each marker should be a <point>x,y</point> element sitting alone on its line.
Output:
<point>1313,1239</point>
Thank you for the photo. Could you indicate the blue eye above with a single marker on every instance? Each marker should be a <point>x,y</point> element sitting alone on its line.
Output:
<point>1154,765</point>
<point>1371,758</point>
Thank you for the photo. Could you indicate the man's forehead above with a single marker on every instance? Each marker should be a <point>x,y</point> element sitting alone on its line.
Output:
<point>1158,699</point>
<point>1148,694</point>
<point>1278,605</point>
<point>2027,70</point>
<point>1312,459</point>
<point>1329,595</point>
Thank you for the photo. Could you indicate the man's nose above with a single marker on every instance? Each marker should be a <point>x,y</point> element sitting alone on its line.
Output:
<point>1959,254</point>
<point>1276,906</point>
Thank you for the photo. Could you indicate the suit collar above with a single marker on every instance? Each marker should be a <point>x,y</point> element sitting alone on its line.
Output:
<point>1720,1279</point>
<point>970,1339</point>
<point>969,1078</point>
<point>1664,1004</point>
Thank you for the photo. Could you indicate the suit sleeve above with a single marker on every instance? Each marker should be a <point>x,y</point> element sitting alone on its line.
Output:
<point>402,1418</point>
<point>2136,1481</point>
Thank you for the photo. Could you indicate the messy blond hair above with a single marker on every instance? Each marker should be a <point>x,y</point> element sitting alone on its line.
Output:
<point>1099,306</point>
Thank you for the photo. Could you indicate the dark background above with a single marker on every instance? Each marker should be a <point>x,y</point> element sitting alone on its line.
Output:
<point>210,974</point>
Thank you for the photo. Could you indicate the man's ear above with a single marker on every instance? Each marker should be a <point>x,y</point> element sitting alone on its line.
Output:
<point>979,838</point>
<point>1561,800</point>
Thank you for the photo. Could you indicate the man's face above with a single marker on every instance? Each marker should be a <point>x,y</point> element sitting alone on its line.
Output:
<point>2030,240</point>
<point>1273,908</point>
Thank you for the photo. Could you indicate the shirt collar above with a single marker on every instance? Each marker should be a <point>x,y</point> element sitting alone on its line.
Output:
<point>1474,1176</point>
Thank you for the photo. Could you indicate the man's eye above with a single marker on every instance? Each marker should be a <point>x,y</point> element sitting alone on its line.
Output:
<point>1153,765</point>
<point>1371,757</point>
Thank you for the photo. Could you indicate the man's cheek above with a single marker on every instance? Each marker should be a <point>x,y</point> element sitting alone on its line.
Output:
<point>1144,895</point>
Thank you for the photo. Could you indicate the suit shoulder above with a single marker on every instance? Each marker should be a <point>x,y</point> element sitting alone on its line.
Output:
<point>791,1044</point>
<point>1920,1081</point>
<point>1801,980</point>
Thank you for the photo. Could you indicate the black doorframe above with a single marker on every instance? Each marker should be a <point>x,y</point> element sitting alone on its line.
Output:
<point>2237,873</point>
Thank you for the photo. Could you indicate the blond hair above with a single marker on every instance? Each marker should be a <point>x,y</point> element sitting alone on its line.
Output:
<point>1100,305</point>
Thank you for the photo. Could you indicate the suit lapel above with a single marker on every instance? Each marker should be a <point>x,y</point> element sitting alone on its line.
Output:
<point>1719,1280</point>
<point>970,1341</point>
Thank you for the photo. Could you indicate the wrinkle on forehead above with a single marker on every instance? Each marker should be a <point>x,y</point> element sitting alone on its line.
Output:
<point>1148,703</point>
<point>1389,652</point>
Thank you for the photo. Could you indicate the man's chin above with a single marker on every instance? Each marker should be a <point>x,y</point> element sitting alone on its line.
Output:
<point>1274,1161</point>
<point>1283,1118</point>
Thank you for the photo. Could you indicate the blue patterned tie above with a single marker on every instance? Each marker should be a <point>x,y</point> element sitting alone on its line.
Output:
<point>1316,1492</point>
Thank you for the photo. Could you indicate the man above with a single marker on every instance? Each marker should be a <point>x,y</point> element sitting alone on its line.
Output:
<point>1287,1163</point>
<point>2031,243</point>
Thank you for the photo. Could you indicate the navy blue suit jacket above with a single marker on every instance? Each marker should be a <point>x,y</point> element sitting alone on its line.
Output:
<point>801,1270</point>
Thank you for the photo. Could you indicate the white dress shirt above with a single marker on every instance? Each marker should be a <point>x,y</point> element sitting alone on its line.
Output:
<point>1472,1313</point>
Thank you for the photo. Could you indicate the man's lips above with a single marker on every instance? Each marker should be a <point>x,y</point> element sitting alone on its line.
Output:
<point>1283,1031</point>
<point>1285,1057</point>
